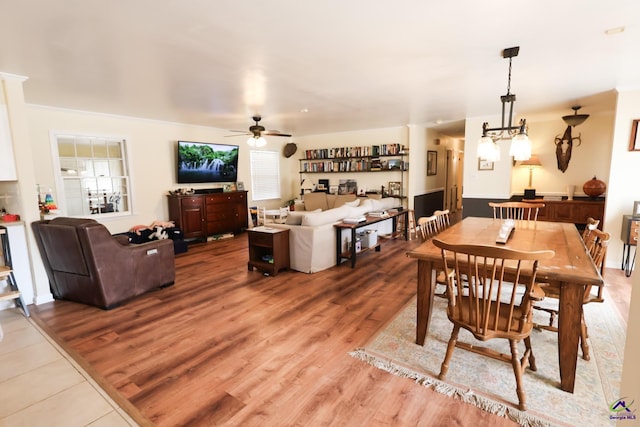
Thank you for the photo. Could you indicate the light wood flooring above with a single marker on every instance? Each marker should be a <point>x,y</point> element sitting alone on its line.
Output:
<point>225,346</point>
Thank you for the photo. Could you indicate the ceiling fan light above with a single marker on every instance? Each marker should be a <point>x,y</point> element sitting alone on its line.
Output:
<point>251,142</point>
<point>488,150</point>
<point>260,142</point>
<point>520,147</point>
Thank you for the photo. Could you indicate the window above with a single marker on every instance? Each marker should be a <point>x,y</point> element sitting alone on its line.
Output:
<point>93,178</point>
<point>265,175</point>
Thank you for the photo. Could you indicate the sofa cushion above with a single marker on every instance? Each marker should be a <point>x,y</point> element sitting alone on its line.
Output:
<point>313,201</point>
<point>385,203</point>
<point>295,217</point>
<point>326,217</point>
<point>343,199</point>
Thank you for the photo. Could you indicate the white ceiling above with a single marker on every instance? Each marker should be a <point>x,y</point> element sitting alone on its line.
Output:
<point>355,64</point>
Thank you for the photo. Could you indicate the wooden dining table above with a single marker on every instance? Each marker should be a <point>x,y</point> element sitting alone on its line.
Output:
<point>571,267</point>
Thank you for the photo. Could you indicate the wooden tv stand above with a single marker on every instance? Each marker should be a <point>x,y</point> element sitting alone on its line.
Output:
<point>208,214</point>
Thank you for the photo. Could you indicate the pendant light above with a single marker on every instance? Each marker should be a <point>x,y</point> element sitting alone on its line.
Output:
<point>520,144</point>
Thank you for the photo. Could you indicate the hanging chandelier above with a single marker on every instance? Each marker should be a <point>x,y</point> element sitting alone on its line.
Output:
<point>520,145</point>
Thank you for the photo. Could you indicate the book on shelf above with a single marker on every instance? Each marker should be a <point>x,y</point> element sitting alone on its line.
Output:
<point>378,214</point>
<point>354,220</point>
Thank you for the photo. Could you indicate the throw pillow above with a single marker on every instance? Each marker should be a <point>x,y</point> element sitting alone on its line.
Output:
<point>326,217</point>
<point>313,201</point>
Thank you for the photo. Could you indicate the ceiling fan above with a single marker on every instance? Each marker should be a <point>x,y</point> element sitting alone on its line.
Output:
<point>257,131</point>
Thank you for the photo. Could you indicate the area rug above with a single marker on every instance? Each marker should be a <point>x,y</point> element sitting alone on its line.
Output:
<point>490,384</point>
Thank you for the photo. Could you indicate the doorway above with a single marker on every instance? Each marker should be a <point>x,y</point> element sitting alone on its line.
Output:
<point>453,180</point>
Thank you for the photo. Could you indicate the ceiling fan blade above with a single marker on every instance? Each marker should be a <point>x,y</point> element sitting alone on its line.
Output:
<point>275,133</point>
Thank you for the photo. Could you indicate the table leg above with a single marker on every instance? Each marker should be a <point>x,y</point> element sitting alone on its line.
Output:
<point>406,224</point>
<point>569,324</point>
<point>338,246</point>
<point>425,300</point>
<point>353,247</point>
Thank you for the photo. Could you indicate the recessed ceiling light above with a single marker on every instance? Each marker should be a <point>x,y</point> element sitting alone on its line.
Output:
<point>612,31</point>
<point>304,110</point>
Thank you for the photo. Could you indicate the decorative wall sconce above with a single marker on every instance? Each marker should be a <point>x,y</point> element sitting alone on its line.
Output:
<point>564,144</point>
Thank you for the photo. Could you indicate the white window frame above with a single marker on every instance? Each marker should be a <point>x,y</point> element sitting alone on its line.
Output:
<point>265,175</point>
<point>61,198</point>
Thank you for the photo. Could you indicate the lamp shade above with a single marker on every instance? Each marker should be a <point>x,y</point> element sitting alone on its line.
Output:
<point>488,150</point>
<point>520,147</point>
<point>531,162</point>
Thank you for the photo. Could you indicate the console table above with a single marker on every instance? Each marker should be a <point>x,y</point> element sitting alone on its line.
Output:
<point>629,236</point>
<point>573,211</point>
<point>351,253</point>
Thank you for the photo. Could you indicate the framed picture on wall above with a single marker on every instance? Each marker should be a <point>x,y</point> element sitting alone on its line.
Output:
<point>485,165</point>
<point>432,163</point>
<point>634,142</point>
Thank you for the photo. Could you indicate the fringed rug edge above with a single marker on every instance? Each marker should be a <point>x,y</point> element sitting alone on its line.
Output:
<point>465,395</point>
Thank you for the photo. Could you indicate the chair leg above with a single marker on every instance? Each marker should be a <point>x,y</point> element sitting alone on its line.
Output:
<point>529,351</point>
<point>450,347</point>
<point>583,340</point>
<point>517,370</point>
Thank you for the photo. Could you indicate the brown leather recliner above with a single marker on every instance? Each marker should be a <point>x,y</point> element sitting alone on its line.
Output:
<point>86,264</point>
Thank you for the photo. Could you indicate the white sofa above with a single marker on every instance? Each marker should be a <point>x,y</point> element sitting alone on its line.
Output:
<point>312,237</point>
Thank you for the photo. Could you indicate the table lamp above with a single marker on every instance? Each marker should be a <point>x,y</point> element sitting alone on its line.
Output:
<point>532,163</point>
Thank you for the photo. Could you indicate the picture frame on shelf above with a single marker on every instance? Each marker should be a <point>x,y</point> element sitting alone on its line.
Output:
<point>333,189</point>
<point>240,186</point>
<point>395,188</point>
<point>636,208</point>
<point>485,165</point>
<point>394,164</point>
<point>432,163</point>
<point>634,141</point>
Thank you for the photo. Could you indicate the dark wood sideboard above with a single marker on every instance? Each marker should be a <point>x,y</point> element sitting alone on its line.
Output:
<point>202,215</point>
<point>573,211</point>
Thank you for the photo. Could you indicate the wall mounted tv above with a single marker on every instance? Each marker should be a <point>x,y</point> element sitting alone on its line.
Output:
<point>202,162</point>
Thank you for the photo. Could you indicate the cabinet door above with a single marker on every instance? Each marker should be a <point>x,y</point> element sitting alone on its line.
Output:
<point>192,216</point>
<point>585,210</point>
<point>226,212</point>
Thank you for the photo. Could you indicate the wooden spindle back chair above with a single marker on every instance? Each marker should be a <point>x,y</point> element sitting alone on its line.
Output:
<point>442,219</point>
<point>597,251</point>
<point>428,227</point>
<point>522,211</point>
<point>480,301</point>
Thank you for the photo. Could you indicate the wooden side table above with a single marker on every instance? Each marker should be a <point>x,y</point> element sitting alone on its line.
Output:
<point>629,236</point>
<point>268,249</point>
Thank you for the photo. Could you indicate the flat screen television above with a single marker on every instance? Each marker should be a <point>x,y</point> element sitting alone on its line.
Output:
<point>202,162</point>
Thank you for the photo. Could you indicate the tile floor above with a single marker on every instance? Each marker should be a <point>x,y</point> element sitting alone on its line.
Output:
<point>40,385</point>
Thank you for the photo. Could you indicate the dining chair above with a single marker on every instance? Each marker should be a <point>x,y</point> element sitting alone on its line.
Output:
<point>587,236</point>
<point>442,219</point>
<point>597,252</point>
<point>428,227</point>
<point>490,307</point>
<point>516,210</point>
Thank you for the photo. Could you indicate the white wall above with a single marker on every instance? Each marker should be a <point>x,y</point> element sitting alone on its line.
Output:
<point>152,163</point>
<point>591,158</point>
<point>624,177</point>
<point>485,184</point>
